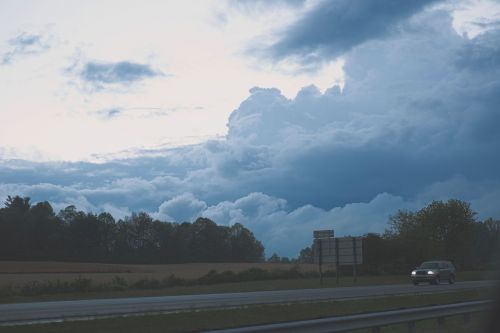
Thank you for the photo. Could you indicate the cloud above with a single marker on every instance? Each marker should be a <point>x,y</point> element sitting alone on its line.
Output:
<point>110,113</point>
<point>415,121</point>
<point>122,72</point>
<point>25,44</point>
<point>94,75</point>
<point>184,207</point>
<point>249,5</point>
<point>141,112</point>
<point>333,28</point>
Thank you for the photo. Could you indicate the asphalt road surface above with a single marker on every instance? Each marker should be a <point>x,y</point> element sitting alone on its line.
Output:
<point>40,312</point>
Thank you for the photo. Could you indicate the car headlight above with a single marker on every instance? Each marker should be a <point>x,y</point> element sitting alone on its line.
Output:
<point>414,273</point>
<point>430,272</point>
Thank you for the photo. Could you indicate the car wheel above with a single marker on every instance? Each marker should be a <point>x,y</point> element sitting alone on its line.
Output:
<point>451,280</point>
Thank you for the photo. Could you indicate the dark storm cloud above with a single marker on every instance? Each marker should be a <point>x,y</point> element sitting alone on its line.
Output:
<point>25,44</point>
<point>335,27</point>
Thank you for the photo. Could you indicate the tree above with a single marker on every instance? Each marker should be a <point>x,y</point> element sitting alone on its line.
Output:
<point>45,236</point>
<point>37,233</point>
<point>17,203</point>
<point>306,256</point>
<point>439,230</point>
<point>209,242</point>
<point>244,247</point>
<point>107,232</point>
<point>274,258</point>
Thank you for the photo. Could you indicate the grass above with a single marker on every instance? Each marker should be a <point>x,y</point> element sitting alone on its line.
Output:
<point>454,324</point>
<point>247,286</point>
<point>252,315</point>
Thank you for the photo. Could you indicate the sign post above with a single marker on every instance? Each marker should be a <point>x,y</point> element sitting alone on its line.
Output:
<point>320,236</point>
<point>320,264</point>
<point>355,256</point>
<point>337,261</point>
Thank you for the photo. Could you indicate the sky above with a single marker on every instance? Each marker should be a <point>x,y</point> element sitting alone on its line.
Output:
<point>286,116</point>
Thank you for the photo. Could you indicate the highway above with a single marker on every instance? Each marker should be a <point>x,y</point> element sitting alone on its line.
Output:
<point>54,311</point>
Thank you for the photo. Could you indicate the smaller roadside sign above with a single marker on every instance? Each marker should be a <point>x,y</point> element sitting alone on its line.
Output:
<point>323,234</point>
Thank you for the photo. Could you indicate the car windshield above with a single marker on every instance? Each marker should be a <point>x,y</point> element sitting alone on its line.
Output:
<point>429,265</point>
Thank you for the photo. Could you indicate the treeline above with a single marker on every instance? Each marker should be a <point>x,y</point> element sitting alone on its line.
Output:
<point>442,230</point>
<point>36,232</point>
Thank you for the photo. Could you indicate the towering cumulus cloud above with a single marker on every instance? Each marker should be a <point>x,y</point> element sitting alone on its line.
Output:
<point>416,120</point>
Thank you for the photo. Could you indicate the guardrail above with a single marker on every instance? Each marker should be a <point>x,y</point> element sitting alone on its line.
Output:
<point>373,321</point>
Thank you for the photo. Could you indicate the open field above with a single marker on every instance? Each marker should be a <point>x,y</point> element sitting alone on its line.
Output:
<point>16,276</point>
<point>20,272</point>
<point>251,315</point>
<point>99,289</point>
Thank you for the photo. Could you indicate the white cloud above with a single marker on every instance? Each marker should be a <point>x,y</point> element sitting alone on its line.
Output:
<point>184,207</point>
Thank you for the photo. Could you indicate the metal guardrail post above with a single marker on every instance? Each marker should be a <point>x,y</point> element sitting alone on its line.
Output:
<point>412,327</point>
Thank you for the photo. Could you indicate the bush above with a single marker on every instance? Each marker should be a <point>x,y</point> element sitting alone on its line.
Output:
<point>173,281</point>
<point>81,284</point>
<point>118,283</point>
<point>253,274</point>
<point>146,284</point>
<point>212,277</point>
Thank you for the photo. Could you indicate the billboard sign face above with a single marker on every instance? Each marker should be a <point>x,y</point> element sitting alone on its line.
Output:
<point>342,251</point>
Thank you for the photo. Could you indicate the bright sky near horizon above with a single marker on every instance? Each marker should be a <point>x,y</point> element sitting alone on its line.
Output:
<point>284,115</point>
<point>199,52</point>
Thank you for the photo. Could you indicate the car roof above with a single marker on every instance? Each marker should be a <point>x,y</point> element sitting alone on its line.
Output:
<point>437,261</point>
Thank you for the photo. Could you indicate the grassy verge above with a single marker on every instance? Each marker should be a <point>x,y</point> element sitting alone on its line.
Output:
<point>206,286</point>
<point>252,315</point>
<point>453,324</point>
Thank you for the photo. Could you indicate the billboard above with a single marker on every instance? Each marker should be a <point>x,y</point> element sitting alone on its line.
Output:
<point>341,251</point>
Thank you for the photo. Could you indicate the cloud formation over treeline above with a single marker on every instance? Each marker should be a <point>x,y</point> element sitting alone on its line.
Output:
<point>416,120</point>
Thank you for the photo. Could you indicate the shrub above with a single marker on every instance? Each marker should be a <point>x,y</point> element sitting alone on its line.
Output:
<point>172,281</point>
<point>81,284</point>
<point>212,277</point>
<point>118,283</point>
<point>146,284</point>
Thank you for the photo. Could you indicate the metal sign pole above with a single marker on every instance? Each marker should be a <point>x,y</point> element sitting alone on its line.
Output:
<point>320,261</point>
<point>337,261</point>
<point>355,259</point>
